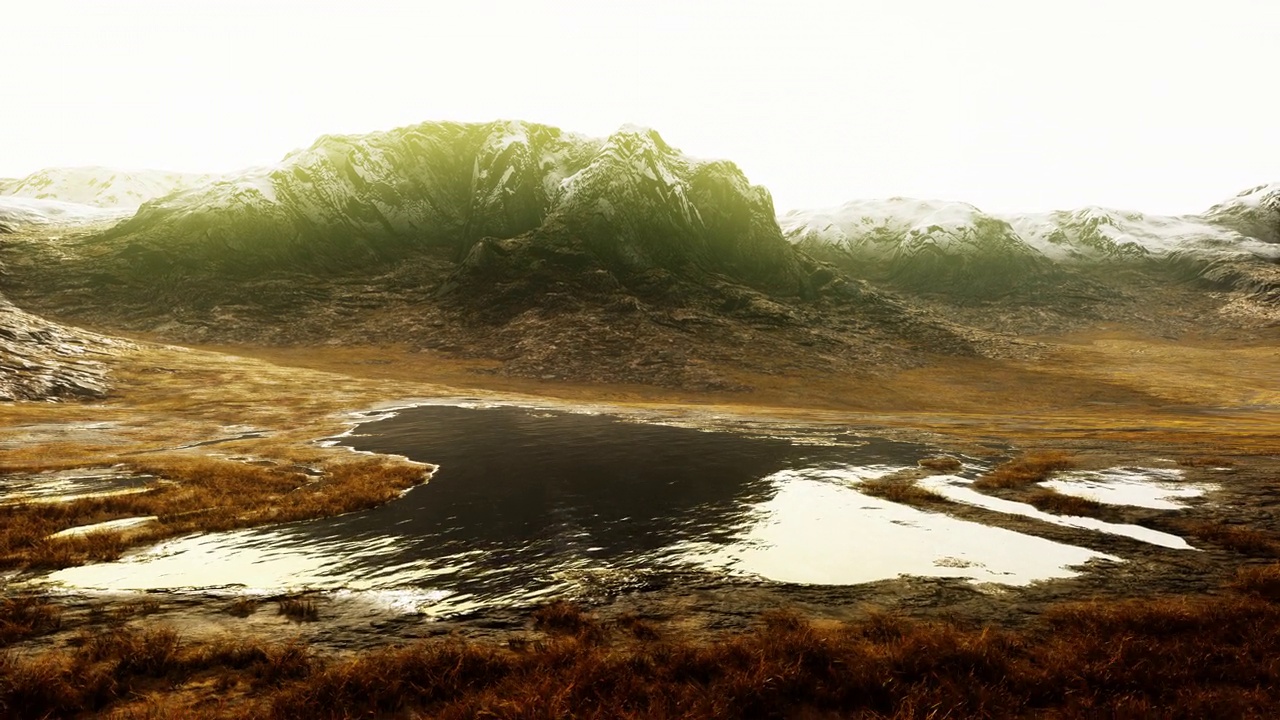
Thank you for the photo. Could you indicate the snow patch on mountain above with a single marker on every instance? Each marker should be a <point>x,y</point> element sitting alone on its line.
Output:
<point>1254,212</point>
<point>879,229</point>
<point>1262,196</point>
<point>18,212</point>
<point>99,186</point>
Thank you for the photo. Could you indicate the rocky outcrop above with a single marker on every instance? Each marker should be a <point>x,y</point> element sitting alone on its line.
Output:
<point>41,360</point>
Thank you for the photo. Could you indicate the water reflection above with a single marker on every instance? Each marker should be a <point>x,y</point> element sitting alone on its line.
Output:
<point>528,503</point>
<point>816,530</point>
<point>958,489</point>
<point>1154,488</point>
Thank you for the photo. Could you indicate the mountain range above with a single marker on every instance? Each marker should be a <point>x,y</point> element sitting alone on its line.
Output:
<point>605,258</point>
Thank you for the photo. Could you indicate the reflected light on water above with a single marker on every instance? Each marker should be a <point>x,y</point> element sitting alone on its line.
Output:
<point>531,504</point>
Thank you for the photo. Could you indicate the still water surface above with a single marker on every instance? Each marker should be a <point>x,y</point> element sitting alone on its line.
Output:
<point>531,503</point>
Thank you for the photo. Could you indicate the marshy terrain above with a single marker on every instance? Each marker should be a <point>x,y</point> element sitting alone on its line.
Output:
<point>495,420</point>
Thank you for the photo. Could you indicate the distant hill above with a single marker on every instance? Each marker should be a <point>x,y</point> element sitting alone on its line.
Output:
<point>18,212</point>
<point>939,247</point>
<point>100,187</point>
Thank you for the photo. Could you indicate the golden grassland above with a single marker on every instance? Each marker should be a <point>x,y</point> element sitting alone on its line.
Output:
<point>1198,657</point>
<point>204,494</point>
<point>168,399</point>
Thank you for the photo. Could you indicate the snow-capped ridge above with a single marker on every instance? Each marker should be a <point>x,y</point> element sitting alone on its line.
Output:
<point>17,212</point>
<point>100,186</point>
<point>882,227</point>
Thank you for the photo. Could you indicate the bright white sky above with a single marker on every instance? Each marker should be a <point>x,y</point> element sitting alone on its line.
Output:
<point>1163,106</point>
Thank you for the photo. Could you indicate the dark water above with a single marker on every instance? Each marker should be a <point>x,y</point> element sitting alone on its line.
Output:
<point>528,504</point>
<point>524,495</point>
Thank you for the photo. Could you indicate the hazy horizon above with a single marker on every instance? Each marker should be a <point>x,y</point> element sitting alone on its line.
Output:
<point>1008,107</point>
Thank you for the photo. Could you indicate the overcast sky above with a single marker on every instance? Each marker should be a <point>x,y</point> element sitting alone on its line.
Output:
<point>1028,105</point>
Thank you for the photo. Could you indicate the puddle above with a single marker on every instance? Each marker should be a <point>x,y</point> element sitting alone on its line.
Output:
<point>957,489</point>
<point>108,526</point>
<point>530,504</point>
<point>68,485</point>
<point>82,432</point>
<point>816,531</point>
<point>1154,488</point>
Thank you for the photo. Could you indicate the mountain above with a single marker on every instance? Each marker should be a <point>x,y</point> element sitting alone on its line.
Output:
<point>1254,213</point>
<point>617,259</point>
<point>21,212</point>
<point>937,247</point>
<point>358,201</point>
<point>621,259</point>
<point>920,245</point>
<point>100,187</point>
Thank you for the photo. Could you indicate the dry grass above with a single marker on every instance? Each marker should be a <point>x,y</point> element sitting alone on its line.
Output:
<point>941,463</point>
<point>243,607</point>
<point>1050,500</point>
<point>206,494</point>
<point>1027,470</point>
<point>166,399</point>
<point>120,665</point>
<point>1170,657</point>
<point>128,610</point>
<point>298,609</point>
<point>1238,538</point>
<point>27,616</point>
<point>1262,581</point>
<point>900,490</point>
<point>1198,461</point>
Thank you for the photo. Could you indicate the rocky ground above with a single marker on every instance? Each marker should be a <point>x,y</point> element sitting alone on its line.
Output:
<point>42,359</point>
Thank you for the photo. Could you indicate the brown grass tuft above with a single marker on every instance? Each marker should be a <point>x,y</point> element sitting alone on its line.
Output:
<point>1238,538</point>
<point>638,627</point>
<point>565,618</point>
<point>124,611</point>
<point>1050,500</point>
<point>298,609</point>
<point>1026,470</point>
<point>206,494</point>
<point>1260,580</point>
<point>27,616</point>
<point>1208,657</point>
<point>941,463</point>
<point>898,490</point>
<point>243,606</point>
